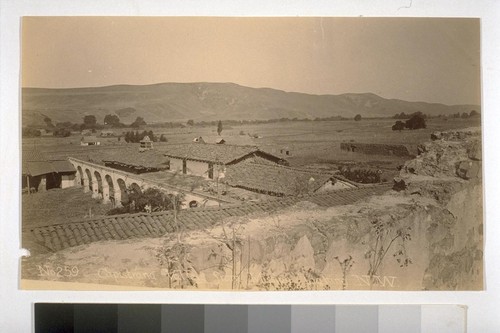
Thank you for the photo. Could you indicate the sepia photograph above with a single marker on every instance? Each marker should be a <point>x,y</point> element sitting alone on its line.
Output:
<point>251,153</point>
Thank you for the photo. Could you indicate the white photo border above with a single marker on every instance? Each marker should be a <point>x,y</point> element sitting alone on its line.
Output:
<point>17,305</point>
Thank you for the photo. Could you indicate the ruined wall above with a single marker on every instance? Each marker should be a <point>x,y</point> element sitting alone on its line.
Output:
<point>427,235</point>
<point>375,148</point>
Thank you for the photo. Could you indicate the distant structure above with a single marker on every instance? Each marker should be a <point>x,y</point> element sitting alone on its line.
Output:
<point>210,160</point>
<point>285,151</point>
<point>145,144</point>
<point>86,132</point>
<point>40,174</point>
<point>198,139</point>
<point>220,141</point>
<point>107,133</point>
<point>375,148</point>
<point>90,141</point>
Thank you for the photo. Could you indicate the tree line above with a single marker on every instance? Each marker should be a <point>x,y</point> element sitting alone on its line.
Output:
<point>64,129</point>
<point>135,137</point>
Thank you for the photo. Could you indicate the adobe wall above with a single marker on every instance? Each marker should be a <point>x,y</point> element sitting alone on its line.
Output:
<point>375,148</point>
<point>438,212</point>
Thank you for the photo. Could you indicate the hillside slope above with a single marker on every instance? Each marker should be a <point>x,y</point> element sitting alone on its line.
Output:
<point>209,101</point>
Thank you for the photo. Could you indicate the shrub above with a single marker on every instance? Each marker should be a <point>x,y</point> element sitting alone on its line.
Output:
<point>62,132</point>
<point>415,122</point>
<point>357,117</point>
<point>364,176</point>
<point>31,132</point>
<point>398,126</point>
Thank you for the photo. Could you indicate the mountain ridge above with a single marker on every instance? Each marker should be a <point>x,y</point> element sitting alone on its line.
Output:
<point>171,101</point>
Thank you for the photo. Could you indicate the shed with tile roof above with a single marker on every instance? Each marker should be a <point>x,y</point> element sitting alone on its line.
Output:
<point>40,173</point>
<point>280,180</point>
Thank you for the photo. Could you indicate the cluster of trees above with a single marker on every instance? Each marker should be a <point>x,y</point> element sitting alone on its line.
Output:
<point>463,115</point>
<point>403,115</point>
<point>149,200</point>
<point>466,115</point>
<point>363,176</point>
<point>191,122</point>
<point>112,120</point>
<point>417,121</point>
<point>135,137</point>
<point>29,132</point>
<point>64,129</point>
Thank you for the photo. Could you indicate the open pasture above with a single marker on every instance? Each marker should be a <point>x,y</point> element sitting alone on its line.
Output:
<point>310,143</point>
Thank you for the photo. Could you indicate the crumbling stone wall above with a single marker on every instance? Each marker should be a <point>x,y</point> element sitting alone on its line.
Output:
<point>375,148</point>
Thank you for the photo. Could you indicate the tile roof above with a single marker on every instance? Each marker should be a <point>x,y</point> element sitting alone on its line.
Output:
<point>132,156</point>
<point>33,156</point>
<point>121,227</point>
<point>62,166</point>
<point>125,154</point>
<point>218,154</point>
<point>274,179</point>
<point>35,163</point>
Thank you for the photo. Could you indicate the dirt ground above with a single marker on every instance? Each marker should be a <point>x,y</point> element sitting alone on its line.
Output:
<point>42,208</point>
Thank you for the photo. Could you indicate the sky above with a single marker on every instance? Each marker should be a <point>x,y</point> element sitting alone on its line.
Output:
<point>414,59</point>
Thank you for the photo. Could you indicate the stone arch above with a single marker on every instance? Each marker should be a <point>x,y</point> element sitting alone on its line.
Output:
<point>122,188</point>
<point>136,187</point>
<point>80,175</point>
<point>99,184</point>
<point>109,187</point>
<point>89,179</point>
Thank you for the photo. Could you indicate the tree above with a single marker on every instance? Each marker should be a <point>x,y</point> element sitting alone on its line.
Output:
<point>89,121</point>
<point>163,138</point>
<point>62,132</point>
<point>48,122</point>
<point>415,122</point>
<point>152,137</point>
<point>112,119</point>
<point>357,117</point>
<point>65,124</point>
<point>190,122</point>
<point>139,121</point>
<point>149,200</point>
<point>465,115</point>
<point>219,127</point>
<point>398,126</point>
<point>31,132</point>
<point>473,113</point>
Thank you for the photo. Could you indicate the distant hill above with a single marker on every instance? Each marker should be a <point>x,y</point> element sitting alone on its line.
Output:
<point>167,102</point>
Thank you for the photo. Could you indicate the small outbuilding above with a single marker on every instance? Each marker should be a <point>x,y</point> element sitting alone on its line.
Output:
<point>146,144</point>
<point>107,133</point>
<point>90,141</point>
<point>198,139</point>
<point>40,173</point>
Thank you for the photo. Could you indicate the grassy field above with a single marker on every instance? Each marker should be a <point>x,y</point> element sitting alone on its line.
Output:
<point>312,144</point>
